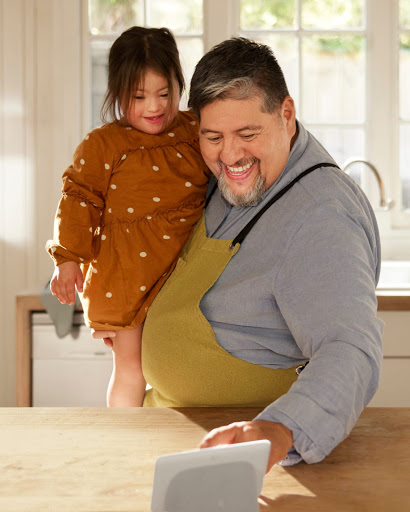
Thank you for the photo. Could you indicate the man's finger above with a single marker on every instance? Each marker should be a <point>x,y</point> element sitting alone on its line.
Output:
<point>228,434</point>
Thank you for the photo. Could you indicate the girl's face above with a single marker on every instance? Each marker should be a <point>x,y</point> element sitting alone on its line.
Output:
<point>150,110</point>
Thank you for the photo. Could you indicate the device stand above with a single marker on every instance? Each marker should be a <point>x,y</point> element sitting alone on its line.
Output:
<point>228,487</point>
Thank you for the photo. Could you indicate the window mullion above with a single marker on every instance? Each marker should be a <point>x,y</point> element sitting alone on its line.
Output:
<point>381,100</point>
<point>221,21</point>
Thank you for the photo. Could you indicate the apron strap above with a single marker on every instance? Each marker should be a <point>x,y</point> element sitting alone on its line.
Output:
<point>215,186</point>
<point>242,234</point>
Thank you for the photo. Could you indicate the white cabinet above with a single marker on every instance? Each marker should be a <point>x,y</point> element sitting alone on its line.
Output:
<point>394,389</point>
<point>72,371</point>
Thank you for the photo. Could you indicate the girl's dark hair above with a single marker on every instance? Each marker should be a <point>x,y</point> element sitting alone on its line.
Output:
<point>131,55</point>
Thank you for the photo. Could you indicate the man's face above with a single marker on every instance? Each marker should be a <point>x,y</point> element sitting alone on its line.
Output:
<point>245,148</point>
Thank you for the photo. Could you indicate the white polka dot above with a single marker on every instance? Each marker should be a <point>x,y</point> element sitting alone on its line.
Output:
<point>123,157</point>
<point>82,161</point>
<point>108,295</point>
<point>143,288</point>
<point>143,254</point>
<point>188,184</point>
<point>130,210</point>
<point>128,128</point>
<point>83,204</point>
<point>109,210</point>
<point>81,259</point>
<point>103,237</point>
<point>163,275</point>
<point>95,271</point>
<point>87,137</point>
<point>53,249</point>
<point>128,230</point>
<point>141,147</point>
<point>166,237</point>
<point>155,167</point>
<point>179,155</point>
<point>156,199</point>
<point>149,217</point>
<point>91,230</point>
<point>193,123</point>
<point>113,186</point>
<point>70,181</point>
<point>95,262</point>
<point>171,134</point>
<point>182,220</point>
<point>107,166</point>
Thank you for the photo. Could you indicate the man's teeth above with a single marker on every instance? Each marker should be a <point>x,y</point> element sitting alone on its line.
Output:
<point>239,170</point>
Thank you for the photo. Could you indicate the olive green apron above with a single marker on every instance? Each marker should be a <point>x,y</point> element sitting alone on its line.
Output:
<point>181,358</point>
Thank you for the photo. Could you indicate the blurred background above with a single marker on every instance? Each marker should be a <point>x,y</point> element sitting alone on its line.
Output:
<point>347,65</point>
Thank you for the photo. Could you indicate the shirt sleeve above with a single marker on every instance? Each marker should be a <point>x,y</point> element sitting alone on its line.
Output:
<point>79,211</point>
<point>325,289</point>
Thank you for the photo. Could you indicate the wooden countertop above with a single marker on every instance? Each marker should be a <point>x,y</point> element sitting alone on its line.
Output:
<point>95,460</point>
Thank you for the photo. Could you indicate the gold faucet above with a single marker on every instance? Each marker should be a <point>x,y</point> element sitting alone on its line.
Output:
<point>385,203</point>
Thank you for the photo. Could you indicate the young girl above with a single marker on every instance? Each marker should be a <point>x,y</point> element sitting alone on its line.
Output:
<point>129,201</point>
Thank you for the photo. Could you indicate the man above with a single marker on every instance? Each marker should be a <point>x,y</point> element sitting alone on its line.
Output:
<point>282,271</point>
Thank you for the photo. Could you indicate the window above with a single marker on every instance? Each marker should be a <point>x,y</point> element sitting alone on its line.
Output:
<point>321,46</point>
<point>404,99</point>
<point>346,62</point>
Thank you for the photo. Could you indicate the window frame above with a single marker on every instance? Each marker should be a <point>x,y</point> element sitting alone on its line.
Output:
<point>222,20</point>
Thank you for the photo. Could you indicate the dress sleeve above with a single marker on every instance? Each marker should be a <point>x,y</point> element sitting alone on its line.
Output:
<point>325,290</point>
<point>78,217</point>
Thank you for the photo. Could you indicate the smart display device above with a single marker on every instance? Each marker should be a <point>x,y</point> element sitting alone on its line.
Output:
<point>225,478</point>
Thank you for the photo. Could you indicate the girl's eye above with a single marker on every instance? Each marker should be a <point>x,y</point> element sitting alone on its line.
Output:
<point>165,95</point>
<point>139,97</point>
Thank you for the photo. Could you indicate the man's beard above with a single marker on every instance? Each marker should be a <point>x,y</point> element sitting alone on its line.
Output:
<point>250,198</point>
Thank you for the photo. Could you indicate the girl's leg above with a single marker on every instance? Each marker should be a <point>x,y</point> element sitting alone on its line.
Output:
<point>127,384</point>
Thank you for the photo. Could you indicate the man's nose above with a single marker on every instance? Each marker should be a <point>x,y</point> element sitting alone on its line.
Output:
<point>231,152</point>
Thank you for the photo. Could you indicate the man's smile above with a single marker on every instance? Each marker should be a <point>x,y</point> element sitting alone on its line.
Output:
<point>239,171</point>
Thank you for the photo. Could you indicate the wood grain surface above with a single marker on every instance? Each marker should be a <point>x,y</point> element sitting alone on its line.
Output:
<point>102,460</point>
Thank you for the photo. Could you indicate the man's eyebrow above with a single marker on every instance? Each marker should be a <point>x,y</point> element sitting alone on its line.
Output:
<point>249,127</point>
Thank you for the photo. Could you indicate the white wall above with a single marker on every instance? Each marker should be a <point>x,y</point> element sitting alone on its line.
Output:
<point>40,125</point>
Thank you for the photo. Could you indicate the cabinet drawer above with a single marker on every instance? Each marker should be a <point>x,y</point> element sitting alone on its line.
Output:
<point>394,389</point>
<point>396,334</point>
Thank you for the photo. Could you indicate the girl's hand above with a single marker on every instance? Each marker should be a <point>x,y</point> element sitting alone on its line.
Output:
<point>65,279</point>
<point>106,336</point>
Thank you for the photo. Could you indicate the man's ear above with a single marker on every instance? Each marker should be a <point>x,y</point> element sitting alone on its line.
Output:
<point>288,114</point>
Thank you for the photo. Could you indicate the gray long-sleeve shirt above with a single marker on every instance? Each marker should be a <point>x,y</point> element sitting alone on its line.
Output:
<point>302,287</point>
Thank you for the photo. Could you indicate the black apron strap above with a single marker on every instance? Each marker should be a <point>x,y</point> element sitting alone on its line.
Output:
<point>211,193</point>
<point>241,236</point>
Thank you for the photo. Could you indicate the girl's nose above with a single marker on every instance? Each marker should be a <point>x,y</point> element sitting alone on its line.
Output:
<point>153,105</point>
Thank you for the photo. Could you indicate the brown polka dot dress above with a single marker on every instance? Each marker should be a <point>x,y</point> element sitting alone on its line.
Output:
<point>129,203</point>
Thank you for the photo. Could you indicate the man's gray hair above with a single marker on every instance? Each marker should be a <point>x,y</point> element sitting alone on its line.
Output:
<point>239,69</point>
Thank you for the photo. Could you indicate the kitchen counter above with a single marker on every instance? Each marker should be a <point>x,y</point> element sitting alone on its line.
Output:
<point>95,460</point>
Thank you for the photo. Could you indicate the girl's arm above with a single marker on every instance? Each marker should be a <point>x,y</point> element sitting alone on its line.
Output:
<point>79,212</point>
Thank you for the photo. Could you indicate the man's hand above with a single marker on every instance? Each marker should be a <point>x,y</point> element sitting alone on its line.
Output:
<point>106,336</point>
<point>281,437</point>
<point>65,279</point>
